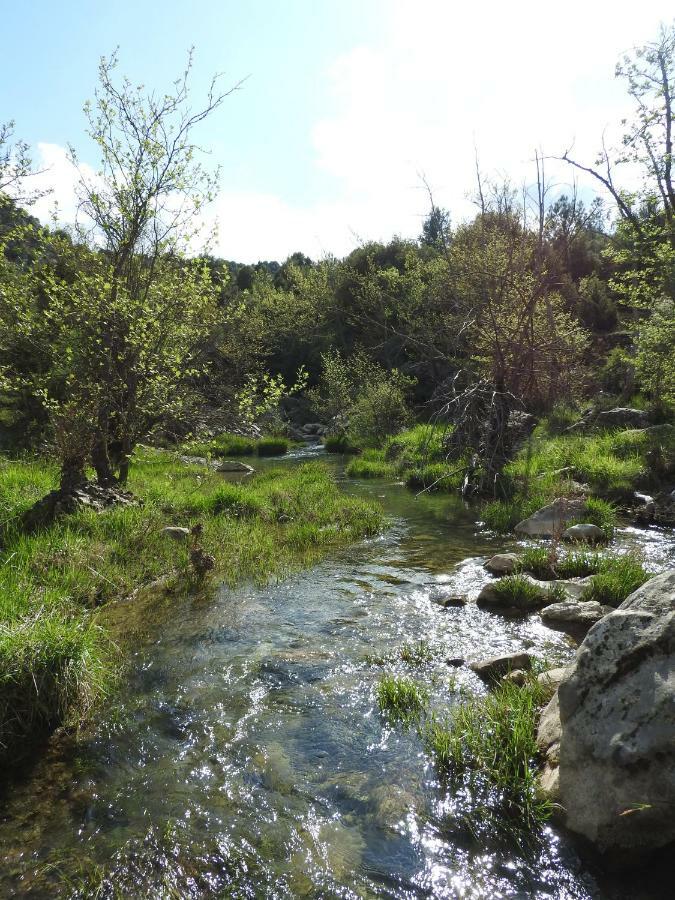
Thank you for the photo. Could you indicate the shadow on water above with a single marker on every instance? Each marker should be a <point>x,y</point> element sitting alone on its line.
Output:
<point>245,755</point>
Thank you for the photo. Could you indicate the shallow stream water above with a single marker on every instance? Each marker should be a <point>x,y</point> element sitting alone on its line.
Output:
<point>246,756</point>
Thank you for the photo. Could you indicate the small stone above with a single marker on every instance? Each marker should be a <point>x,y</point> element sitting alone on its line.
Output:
<point>517,677</point>
<point>502,564</point>
<point>449,600</point>
<point>455,661</point>
<point>495,667</point>
<point>177,532</point>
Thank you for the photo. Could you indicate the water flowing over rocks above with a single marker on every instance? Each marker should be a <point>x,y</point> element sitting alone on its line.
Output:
<point>610,752</point>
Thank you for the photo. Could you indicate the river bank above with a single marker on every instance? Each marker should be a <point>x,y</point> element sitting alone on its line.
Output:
<point>246,753</point>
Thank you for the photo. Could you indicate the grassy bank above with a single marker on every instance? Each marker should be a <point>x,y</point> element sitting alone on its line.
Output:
<point>416,456</point>
<point>610,464</point>
<point>238,445</point>
<point>53,654</point>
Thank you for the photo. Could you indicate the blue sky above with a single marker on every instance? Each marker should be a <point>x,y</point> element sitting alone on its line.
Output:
<point>346,104</point>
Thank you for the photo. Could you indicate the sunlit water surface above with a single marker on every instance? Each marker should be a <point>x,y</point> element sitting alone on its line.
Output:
<point>246,756</point>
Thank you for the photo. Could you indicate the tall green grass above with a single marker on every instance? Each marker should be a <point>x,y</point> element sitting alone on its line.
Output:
<point>488,744</point>
<point>237,445</point>
<point>618,577</point>
<point>401,699</point>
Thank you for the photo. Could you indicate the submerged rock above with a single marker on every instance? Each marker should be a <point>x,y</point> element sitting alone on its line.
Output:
<point>448,600</point>
<point>495,667</point>
<point>616,727</point>
<point>502,564</point>
<point>551,520</point>
<point>585,533</point>
<point>573,617</point>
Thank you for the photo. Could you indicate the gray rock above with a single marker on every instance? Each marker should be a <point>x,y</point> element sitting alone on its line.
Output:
<point>574,618</point>
<point>617,715</point>
<point>623,417</point>
<point>490,598</point>
<point>584,533</point>
<point>233,465</point>
<point>548,742</point>
<point>455,661</point>
<point>496,667</point>
<point>177,532</point>
<point>551,520</point>
<point>516,676</point>
<point>551,678</point>
<point>448,600</point>
<point>502,563</point>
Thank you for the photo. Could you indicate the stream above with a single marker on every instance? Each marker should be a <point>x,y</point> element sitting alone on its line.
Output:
<point>245,756</point>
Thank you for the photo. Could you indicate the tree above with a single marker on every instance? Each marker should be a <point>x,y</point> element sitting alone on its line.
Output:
<point>16,167</point>
<point>142,207</point>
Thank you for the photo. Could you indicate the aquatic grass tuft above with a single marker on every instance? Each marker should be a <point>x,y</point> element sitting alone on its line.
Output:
<point>518,590</point>
<point>401,699</point>
<point>489,744</point>
<point>370,464</point>
<point>548,563</point>
<point>618,578</point>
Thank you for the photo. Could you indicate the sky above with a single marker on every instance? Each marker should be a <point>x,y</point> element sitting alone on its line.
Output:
<point>348,106</point>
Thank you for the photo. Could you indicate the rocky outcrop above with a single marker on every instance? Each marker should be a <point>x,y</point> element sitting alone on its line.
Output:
<point>177,532</point>
<point>619,417</point>
<point>551,520</point>
<point>613,745</point>
<point>573,617</point>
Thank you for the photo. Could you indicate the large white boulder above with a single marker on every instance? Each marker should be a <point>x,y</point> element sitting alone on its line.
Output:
<point>551,520</point>
<point>616,779</point>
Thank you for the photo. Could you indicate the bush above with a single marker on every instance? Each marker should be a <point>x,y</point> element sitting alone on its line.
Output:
<point>233,445</point>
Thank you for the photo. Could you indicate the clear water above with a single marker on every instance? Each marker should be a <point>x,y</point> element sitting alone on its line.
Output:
<point>246,757</point>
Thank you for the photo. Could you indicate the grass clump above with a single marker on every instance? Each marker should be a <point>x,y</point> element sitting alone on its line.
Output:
<point>618,578</point>
<point>518,591</point>
<point>339,443</point>
<point>50,667</point>
<point>401,699</point>
<point>370,464</point>
<point>272,446</point>
<point>489,743</point>
<point>502,516</point>
<point>601,513</point>
<point>546,564</point>
<point>233,445</point>
<point>418,654</point>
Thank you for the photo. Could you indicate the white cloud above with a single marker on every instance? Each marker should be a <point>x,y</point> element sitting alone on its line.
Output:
<point>443,79</point>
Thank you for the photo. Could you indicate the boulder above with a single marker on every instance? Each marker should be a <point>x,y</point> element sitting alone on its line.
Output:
<point>551,520</point>
<point>617,724</point>
<point>233,465</point>
<point>502,564</point>
<point>548,742</point>
<point>622,417</point>
<point>490,598</point>
<point>574,618</point>
<point>516,676</point>
<point>495,667</point>
<point>584,533</point>
<point>177,532</point>
<point>664,509</point>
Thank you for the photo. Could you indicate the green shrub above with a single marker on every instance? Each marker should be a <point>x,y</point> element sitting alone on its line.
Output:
<point>489,743</point>
<point>618,578</point>
<point>401,699</point>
